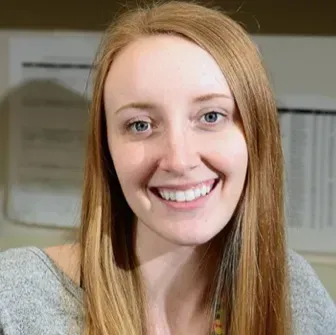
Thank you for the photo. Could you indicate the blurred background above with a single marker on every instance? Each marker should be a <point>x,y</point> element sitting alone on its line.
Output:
<point>46,51</point>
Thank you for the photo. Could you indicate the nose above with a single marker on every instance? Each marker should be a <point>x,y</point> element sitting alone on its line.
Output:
<point>179,154</point>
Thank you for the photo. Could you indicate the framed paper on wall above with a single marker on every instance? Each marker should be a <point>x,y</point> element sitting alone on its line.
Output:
<point>308,126</point>
<point>48,114</point>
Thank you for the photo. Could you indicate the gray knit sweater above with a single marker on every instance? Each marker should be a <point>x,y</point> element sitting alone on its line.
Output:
<point>37,298</point>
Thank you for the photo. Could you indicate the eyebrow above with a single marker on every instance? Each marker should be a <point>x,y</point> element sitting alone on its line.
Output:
<point>210,96</point>
<point>151,106</point>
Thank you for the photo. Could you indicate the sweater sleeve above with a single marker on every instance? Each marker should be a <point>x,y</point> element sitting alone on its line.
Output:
<point>329,320</point>
<point>314,311</point>
<point>5,324</point>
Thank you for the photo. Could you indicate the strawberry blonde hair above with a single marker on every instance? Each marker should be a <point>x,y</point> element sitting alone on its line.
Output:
<point>251,276</point>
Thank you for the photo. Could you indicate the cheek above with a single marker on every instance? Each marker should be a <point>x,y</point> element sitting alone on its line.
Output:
<point>237,156</point>
<point>130,161</point>
<point>128,157</point>
<point>230,155</point>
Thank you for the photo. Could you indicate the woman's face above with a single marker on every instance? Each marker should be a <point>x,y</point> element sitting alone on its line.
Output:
<point>180,157</point>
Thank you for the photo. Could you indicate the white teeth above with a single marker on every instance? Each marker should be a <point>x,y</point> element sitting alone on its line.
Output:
<point>166,194</point>
<point>197,192</point>
<point>204,190</point>
<point>187,195</point>
<point>180,196</point>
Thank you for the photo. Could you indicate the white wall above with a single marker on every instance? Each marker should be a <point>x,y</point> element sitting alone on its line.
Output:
<point>308,69</point>
<point>308,64</point>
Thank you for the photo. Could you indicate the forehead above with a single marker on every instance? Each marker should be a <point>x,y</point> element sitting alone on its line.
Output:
<point>163,67</point>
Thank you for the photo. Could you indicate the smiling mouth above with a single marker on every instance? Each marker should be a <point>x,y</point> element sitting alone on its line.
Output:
<point>188,195</point>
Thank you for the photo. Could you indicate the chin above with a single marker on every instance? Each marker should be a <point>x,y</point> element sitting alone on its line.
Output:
<point>183,227</point>
<point>195,237</point>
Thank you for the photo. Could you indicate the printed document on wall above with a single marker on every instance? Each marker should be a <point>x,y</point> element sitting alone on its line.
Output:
<point>50,89</point>
<point>308,126</point>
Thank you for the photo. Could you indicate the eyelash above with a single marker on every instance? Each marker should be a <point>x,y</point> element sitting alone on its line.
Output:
<point>214,112</point>
<point>132,123</point>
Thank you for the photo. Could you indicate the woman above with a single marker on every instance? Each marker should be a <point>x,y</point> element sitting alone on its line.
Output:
<point>182,228</point>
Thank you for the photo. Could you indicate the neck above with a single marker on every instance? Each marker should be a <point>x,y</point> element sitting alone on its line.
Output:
<point>174,283</point>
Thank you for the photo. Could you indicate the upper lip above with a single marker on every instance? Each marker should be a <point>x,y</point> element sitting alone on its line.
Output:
<point>185,186</point>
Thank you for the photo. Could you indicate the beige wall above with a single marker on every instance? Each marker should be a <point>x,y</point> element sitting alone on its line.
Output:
<point>294,79</point>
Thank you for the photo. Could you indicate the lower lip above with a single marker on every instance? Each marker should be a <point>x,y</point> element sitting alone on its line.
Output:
<point>187,205</point>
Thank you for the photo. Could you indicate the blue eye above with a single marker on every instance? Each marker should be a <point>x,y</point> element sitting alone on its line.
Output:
<point>139,126</point>
<point>212,117</point>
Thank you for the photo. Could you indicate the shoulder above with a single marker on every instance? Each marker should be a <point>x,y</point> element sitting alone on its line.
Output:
<point>16,265</point>
<point>25,274</point>
<point>34,265</point>
<point>22,273</point>
<point>34,293</point>
<point>314,312</point>
<point>24,269</point>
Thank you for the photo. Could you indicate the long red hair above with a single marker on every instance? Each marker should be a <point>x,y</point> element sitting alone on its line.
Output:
<point>250,253</point>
